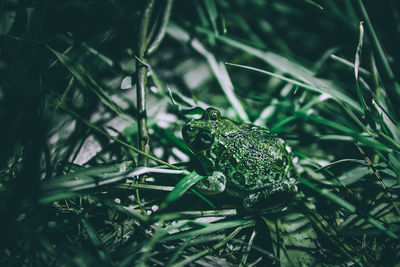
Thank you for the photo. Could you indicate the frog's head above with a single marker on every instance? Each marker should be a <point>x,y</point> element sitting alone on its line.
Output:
<point>203,133</point>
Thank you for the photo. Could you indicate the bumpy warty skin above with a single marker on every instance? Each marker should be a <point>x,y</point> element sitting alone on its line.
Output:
<point>244,160</point>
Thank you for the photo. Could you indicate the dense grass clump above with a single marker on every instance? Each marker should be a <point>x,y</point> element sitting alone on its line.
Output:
<point>93,97</point>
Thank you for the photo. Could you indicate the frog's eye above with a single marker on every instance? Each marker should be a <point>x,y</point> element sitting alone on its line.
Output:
<point>213,114</point>
<point>203,141</point>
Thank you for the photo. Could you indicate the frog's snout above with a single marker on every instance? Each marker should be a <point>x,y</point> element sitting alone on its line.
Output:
<point>197,139</point>
<point>189,133</point>
<point>186,131</point>
<point>187,128</point>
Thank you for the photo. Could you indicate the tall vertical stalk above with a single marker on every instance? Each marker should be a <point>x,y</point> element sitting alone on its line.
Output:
<point>141,81</point>
<point>147,44</point>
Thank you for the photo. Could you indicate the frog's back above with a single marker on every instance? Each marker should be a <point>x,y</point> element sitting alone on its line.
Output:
<point>253,159</point>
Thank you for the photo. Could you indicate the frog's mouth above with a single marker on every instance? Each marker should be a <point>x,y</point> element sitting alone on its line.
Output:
<point>197,139</point>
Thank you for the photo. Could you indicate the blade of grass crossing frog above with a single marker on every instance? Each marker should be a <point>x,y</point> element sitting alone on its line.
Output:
<point>222,76</point>
<point>181,187</point>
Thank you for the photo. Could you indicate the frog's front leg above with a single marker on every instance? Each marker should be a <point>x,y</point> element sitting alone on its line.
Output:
<point>213,184</point>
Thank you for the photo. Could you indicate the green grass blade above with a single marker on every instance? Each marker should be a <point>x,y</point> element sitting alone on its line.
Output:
<point>311,83</point>
<point>210,228</point>
<point>222,76</point>
<point>181,187</point>
<point>329,195</point>
<point>84,78</point>
<point>378,48</point>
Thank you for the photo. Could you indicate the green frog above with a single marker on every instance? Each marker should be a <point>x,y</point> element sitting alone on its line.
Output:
<point>244,160</point>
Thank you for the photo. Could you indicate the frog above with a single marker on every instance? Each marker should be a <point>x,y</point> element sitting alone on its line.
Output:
<point>241,159</point>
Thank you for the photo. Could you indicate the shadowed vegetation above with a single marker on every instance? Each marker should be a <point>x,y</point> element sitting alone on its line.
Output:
<point>77,189</point>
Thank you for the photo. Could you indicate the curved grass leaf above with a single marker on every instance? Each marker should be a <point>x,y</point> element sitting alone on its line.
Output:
<point>309,82</point>
<point>181,187</point>
<point>220,72</point>
<point>93,177</point>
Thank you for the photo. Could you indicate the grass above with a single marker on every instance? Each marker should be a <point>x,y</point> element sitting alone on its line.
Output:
<point>320,74</point>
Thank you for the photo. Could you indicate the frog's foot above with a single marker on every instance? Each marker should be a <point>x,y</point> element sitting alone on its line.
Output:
<point>251,200</point>
<point>213,184</point>
<point>270,199</point>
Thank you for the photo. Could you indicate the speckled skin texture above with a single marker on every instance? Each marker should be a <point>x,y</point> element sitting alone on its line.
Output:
<point>244,160</point>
